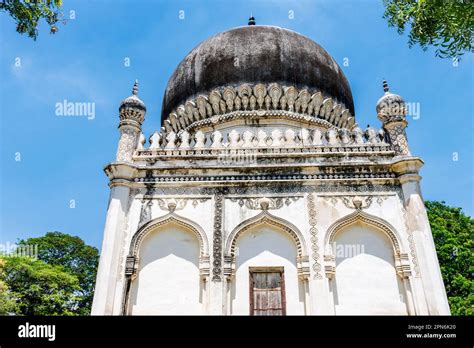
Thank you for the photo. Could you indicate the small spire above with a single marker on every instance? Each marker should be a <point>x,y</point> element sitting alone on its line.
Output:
<point>385,86</point>
<point>135,88</point>
<point>251,20</point>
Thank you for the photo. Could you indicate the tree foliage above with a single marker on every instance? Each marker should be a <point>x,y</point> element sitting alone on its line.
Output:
<point>77,258</point>
<point>8,304</point>
<point>447,25</point>
<point>28,13</point>
<point>38,288</point>
<point>453,233</point>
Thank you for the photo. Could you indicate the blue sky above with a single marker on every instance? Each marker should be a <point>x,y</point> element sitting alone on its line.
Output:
<point>62,158</point>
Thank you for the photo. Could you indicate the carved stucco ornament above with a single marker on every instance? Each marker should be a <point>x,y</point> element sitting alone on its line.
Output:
<point>264,203</point>
<point>356,202</point>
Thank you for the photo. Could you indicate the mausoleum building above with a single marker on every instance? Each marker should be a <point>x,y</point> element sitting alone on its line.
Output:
<point>261,195</point>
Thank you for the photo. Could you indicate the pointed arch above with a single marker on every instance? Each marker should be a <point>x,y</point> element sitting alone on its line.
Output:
<point>401,264</point>
<point>164,220</point>
<point>266,218</point>
<point>360,216</point>
<point>133,259</point>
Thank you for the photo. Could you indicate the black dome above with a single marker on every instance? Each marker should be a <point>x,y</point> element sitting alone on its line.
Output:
<point>256,54</point>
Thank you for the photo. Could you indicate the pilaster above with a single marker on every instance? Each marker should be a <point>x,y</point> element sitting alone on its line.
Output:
<point>432,282</point>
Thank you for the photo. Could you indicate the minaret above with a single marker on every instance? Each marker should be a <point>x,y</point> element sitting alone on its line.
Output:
<point>109,281</point>
<point>427,283</point>
<point>132,114</point>
<point>391,110</point>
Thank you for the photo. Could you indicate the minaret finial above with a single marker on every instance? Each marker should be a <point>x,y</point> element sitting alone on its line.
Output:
<point>135,88</point>
<point>385,86</point>
<point>251,19</point>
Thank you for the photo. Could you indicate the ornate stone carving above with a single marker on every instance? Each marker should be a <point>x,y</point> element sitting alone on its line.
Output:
<point>175,204</point>
<point>290,138</point>
<point>277,138</point>
<point>200,138</point>
<point>357,202</point>
<point>130,266</point>
<point>275,93</point>
<point>247,138</point>
<point>185,140</point>
<point>171,204</point>
<point>411,243</point>
<point>260,97</point>
<point>217,238</point>
<point>317,137</point>
<point>155,141</point>
<point>216,139</point>
<point>171,141</point>
<point>265,203</point>
<point>345,140</point>
<point>313,231</point>
<point>141,142</point>
<point>398,138</point>
<point>145,214</point>
<point>127,143</point>
<point>332,175</point>
<point>262,138</point>
<point>263,189</point>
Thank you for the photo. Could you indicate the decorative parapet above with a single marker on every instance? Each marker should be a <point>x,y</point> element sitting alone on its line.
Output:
<point>259,97</point>
<point>276,139</point>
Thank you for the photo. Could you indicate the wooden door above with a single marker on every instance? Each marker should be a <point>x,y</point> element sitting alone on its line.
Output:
<point>267,293</point>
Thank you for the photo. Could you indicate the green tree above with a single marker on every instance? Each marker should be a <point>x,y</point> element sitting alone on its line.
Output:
<point>448,25</point>
<point>39,288</point>
<point>77,258</point>
<point>28,13</point>
<point>453,233</point>
<point>8,304</point>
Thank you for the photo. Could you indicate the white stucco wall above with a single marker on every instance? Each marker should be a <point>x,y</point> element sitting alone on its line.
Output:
<point>366,281</point>
<point>264,246</point>
<point>168,276</point>
<point>168,279</point>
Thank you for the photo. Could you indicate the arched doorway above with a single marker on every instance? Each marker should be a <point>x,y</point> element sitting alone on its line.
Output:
<point>266,278</point>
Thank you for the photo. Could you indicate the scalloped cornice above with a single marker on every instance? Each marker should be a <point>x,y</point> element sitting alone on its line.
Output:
<point>267,99</point>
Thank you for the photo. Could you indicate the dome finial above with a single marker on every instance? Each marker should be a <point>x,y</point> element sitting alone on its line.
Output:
<point>251,19</point>
<point>135,88</point>
<point>385,86</point>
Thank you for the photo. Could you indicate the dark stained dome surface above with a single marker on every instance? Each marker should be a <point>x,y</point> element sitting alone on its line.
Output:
<point>256,54</point>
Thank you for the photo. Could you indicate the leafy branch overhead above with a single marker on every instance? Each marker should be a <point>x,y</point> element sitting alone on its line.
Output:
<point>448,25</point>
<point>28,13</point>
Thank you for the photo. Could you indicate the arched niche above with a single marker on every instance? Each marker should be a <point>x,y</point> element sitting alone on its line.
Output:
<point>266,243</point>
<point>166,269</point>
<point>367,268</point>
